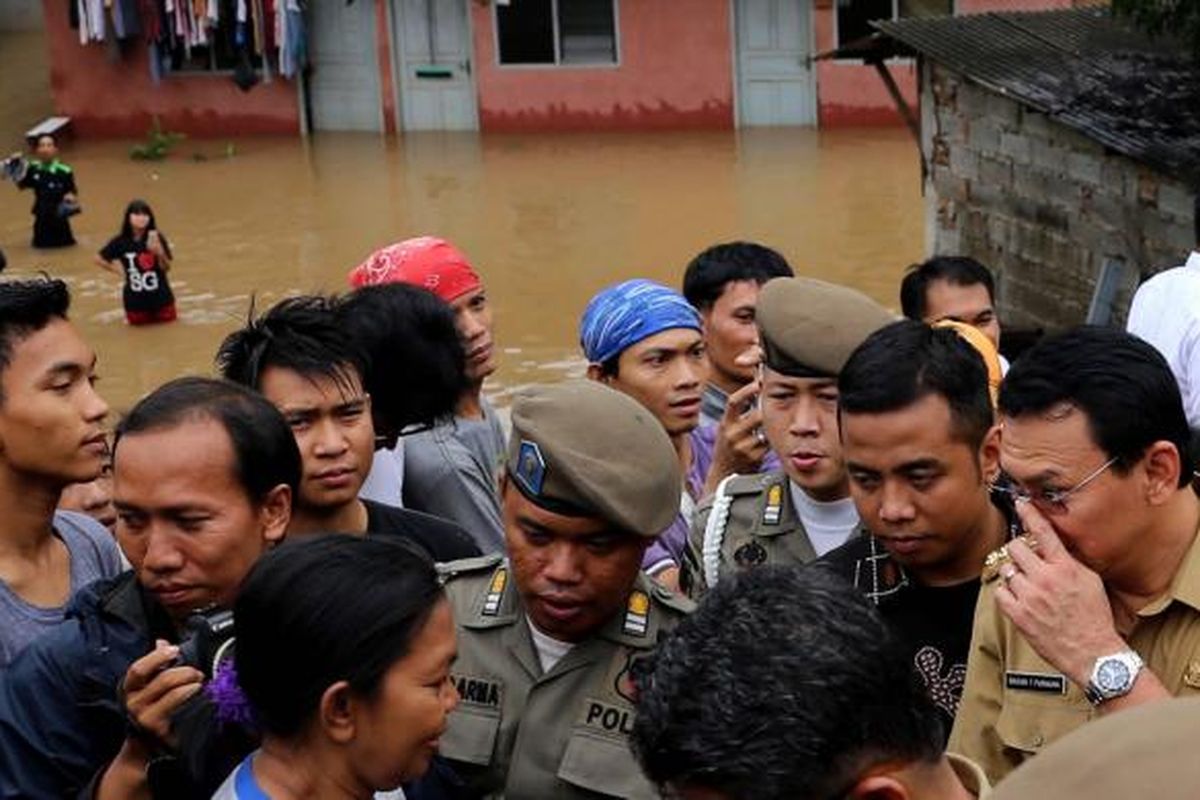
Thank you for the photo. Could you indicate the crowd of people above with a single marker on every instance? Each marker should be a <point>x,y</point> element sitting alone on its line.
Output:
<point>778,543</point>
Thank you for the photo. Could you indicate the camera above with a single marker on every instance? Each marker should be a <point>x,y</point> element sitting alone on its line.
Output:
<point>13,168</point>
<point>207,641</point>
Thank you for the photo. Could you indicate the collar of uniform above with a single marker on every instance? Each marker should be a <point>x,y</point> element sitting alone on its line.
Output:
<point>625,628</point>
<point>508,608</point>
<point>971,775</point>
<point>1185,585</point>
<point>789,520</point>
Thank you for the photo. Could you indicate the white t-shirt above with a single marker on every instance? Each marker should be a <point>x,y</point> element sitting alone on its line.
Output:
<point>1166,313</point>
<point>385,481</point>
<point>829,525</point>
<point>550,651</point>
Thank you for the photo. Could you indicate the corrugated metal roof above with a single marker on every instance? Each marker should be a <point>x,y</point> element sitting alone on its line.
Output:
<point>1136,95</point>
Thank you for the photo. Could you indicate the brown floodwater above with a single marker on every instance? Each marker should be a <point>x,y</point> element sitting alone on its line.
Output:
<point>547,220</point>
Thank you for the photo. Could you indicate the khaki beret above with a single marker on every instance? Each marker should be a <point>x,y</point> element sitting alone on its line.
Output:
<point>1143,752</point>
<point>809,328</point>
<point>583,449</point>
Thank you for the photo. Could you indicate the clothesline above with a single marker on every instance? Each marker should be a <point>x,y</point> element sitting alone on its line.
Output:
<point>267,28</point>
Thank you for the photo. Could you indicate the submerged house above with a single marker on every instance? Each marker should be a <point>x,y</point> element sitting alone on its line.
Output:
<point>1060,148</point>
<point>495,65</point>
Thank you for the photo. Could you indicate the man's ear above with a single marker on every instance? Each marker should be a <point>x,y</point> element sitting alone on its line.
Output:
<point>596,373</point>
<point>336,713</point>
<point>879,787</point>
<point>989,455</point>
<point>275,511</point>
<point>1163,465</point>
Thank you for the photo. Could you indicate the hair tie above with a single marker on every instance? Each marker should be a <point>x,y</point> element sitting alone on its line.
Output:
<point>233,707</point>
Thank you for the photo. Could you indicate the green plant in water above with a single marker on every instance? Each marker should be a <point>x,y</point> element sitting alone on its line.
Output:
<point>158,143</point>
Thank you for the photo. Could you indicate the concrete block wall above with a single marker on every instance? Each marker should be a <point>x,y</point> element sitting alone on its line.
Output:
<point>21,15</point>
<point>1041,204</point>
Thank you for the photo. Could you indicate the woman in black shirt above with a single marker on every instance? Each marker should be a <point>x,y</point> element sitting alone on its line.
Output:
<point>142,255</point>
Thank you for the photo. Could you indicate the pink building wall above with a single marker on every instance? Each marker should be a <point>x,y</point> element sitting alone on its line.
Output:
<point>852,93</point>
<point>117,98</point>
<point>674,72</point>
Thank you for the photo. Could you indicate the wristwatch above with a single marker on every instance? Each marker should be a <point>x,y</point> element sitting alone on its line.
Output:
<point>1113,676</point>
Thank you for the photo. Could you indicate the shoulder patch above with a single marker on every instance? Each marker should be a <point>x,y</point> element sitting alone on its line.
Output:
<point>773,507</point>
<point>491,604</point>
<point>637,613</point>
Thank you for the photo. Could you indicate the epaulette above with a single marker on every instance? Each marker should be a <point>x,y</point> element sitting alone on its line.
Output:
<point>752,484</point>
<point>468,566</point>
<point>670,599</point>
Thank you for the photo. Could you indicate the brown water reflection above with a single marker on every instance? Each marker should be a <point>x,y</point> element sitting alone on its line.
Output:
<point>547,219</point>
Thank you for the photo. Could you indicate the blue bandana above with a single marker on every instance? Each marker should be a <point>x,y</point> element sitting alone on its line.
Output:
<point>629,312</point>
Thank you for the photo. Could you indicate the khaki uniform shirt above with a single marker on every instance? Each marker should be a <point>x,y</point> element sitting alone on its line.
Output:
<point>1014,703</point>
<point>761,527</point>
<point>522,734</point>
<point>971,776</point>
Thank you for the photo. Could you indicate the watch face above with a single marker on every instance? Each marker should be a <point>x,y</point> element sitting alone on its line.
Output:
<point>1113,675</point>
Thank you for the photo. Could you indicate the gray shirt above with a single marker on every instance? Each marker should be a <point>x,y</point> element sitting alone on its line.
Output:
<point>453,472</point>
<point>93,555</point>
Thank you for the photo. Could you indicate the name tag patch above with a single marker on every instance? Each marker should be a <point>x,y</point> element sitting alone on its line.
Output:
<point>478,691</point>
<point>608,718</point>
<point>1042,682</point>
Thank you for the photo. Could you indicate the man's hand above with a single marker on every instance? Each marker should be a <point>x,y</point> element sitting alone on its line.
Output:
<point>154,690</point>
<point>740,445</point>
<point>1058,604</point>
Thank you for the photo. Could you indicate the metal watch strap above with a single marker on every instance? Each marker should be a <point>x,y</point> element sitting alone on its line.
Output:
<point>1095,694</point>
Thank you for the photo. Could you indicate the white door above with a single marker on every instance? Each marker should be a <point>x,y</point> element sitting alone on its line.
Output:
<point>343,85</point>
<point>437,89</point>
<point>775,79</point>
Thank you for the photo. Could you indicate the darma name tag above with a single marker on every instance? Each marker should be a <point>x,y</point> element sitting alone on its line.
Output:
<point>1043,682</point>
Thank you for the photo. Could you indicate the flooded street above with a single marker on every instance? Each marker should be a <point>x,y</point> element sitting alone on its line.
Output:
<point>547,220</point>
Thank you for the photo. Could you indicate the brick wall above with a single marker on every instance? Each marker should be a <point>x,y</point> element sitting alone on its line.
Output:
<point>1040,204</point>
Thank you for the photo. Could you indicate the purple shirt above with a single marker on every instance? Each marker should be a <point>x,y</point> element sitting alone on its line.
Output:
<point>667,550</point>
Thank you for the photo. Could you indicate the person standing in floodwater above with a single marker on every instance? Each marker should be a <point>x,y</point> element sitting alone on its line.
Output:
<point>141,253</point>
<point>53,185</point>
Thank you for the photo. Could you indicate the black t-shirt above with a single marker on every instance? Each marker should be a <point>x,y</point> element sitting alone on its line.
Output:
<point>146,285</point>
<point>442,540</point>
<point>934,621</point>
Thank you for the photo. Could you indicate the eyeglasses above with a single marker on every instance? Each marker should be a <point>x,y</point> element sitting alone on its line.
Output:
<point>1051,501</point>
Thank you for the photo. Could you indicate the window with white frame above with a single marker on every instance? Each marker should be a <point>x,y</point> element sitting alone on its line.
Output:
<point>854,16</point>
<point>555,32</point>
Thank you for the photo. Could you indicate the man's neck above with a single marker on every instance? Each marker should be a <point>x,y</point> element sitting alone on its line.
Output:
<point>470,405</point>
<point>349,518</point>
<point>26,513</point>
<point>683,450</point>
<point>1159,553</point>
<point>989,533</point>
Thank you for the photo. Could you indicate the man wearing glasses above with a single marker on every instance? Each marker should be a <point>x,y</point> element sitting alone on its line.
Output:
<point>1097,607</point>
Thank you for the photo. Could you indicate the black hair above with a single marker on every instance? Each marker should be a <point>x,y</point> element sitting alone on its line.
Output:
<point>907,361</point>
<point>264,448</point>
<point>956,270</point>
<point>142,207</point>
<point>26,307</point>
<point>322,610</point>
<point>416,365</point>
<point>706,275</point>
<point>1120,382</point>
<point>299,334</point>
<point>784,683</point>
